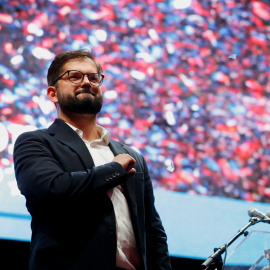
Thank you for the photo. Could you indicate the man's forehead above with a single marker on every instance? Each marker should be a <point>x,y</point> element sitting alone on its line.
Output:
<point>77,63</point>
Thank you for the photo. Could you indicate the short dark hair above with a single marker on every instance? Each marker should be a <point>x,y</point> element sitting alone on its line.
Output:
<point>56,67</point>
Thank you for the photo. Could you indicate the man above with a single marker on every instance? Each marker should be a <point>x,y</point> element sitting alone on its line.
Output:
<point>90,197</point>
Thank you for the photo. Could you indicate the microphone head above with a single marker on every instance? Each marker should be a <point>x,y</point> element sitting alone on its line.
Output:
<point>251,212</point>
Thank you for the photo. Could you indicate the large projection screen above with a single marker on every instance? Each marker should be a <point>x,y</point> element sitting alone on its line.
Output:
<point>186,83</point>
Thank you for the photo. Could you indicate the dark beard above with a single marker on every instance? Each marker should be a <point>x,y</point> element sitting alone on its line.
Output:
<point>87,105</point>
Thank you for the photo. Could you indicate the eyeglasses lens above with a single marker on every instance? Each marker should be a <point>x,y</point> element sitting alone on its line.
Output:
<point>77,77</point>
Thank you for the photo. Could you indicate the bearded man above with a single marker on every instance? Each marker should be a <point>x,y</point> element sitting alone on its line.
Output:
<point>90,197</point>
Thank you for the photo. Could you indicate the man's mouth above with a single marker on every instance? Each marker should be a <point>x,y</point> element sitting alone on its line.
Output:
<point>85,91</point>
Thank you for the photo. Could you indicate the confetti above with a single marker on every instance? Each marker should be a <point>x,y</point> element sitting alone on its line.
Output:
<point>167,91</point>
<point>14,191</point>
<point>233,56</point>
<point>171,167</point>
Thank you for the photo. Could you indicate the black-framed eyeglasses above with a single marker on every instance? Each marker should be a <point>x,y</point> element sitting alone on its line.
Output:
<point>76,76</point>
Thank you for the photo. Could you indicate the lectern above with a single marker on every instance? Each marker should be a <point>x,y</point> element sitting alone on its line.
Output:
<point>252,253</point>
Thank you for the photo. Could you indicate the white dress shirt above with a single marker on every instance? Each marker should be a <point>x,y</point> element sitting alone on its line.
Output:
<point>127,256</point>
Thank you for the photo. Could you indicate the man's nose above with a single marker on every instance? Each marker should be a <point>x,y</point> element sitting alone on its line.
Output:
<point>85,79</point>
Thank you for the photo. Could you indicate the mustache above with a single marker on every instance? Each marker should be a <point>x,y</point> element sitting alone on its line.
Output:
<point>85,90</point>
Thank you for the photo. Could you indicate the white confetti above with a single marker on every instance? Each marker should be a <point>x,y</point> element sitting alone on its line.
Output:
<point>14,191</point>
<point>101,35</point>
<point>171,167</point>
<point>4,137</point>
<point>233,56</point>
<point>42,53</point>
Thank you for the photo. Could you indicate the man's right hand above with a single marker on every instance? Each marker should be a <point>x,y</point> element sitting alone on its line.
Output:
<point>127,162</point>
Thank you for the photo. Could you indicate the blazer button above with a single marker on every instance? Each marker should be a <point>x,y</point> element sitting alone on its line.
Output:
<point>107,178</point>
<point>111,230</point>
<point>117,173</point>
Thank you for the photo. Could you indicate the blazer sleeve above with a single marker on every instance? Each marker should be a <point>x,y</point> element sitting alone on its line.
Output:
<point>156,240</point>
<point>40,176</point>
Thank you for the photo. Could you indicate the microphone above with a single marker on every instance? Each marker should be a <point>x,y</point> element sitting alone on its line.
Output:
<point>253,212</point>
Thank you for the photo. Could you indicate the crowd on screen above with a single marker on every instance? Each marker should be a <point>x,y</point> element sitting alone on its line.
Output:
<point>169,85</point>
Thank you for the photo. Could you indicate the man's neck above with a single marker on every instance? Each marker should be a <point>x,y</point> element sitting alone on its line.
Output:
<point>85,122</point>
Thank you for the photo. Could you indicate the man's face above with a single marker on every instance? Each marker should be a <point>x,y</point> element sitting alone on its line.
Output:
<point>81,98</point>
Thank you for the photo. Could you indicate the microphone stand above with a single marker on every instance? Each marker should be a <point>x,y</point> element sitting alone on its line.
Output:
<point>215,260</point>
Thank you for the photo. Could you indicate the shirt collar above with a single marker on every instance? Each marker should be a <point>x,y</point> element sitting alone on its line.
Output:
<point>105,134</point>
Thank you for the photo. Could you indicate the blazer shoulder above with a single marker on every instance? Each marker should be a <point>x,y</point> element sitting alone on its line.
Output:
<point>32,134</point>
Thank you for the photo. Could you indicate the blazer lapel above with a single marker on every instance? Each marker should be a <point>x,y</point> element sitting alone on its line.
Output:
<point>129,185</point>
<point>117,148</point>
<point>66,135</point>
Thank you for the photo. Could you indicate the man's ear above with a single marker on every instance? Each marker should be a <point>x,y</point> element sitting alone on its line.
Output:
<point>52,94</point>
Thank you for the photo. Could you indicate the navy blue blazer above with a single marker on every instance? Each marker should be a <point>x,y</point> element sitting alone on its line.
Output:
<point>73,222</point>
